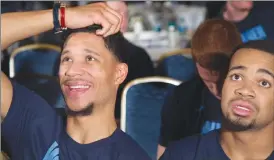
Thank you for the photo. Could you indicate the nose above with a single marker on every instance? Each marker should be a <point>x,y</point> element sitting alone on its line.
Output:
<point>245,91</point>
<point>74,70</point>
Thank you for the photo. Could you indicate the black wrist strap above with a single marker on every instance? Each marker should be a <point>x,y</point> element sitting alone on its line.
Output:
<point>55,12</point>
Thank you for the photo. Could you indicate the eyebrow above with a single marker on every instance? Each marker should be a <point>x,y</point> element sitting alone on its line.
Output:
<point>86,50</point>
<point>64,52</point>
<point>261,70</point>
<point>91,51</point>
<point>237,68</point>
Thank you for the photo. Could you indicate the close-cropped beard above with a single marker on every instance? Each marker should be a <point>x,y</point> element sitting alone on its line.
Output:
<point>82,112</point>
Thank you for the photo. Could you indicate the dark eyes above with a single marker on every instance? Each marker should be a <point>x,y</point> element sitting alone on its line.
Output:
<point>88,58</point>
<point>236,77</point>
<point>66,59</point>
<point>262,83</point>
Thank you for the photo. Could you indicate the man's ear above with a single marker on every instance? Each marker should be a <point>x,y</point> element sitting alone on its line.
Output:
<point>121,73</point>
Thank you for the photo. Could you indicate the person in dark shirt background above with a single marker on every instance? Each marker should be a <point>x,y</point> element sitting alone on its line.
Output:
<point>194,106</point>
<point>139,62</point>
<point>248,107</point>
<point>91,69</point>
<point>254,19</point>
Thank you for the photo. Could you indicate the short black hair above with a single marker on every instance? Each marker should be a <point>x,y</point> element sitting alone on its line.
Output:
<point>261,45</point>
<point>114,43</point>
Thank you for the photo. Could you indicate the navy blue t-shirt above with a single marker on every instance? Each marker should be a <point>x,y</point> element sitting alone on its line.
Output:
<point>198,147</point>
<point>32,130</point>
<point>211,112</point>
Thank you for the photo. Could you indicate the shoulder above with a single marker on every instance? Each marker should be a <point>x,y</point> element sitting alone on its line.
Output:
<point>26,97</point>
<point>194,83</point>
<point>192,142</point>
<point>193,86</point>
<point>182,103</point>
<point>134,47</point>
<point>136,51</point>
<point>185,94</point>
<point>29,118</point>
<point>26,103</point>
<point>189,147</point>
<point>129,148</point>
<point>263,6</point>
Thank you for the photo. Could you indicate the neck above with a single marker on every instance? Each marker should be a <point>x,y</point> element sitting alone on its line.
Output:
<point>87,129</point>
<point>255,144</point>
<point>233,14</point>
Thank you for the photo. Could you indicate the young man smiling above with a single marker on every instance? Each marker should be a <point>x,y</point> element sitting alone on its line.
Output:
<point>90,72</point>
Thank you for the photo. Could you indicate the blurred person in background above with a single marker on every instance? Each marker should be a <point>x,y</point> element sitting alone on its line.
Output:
<point>194,106</point>
<point>139,62</point>
<point>254,19</point>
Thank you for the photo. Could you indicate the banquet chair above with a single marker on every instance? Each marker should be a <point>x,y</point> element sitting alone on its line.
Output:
<point>36,67</point>
<point>141,105</point>
<point>177,65</point>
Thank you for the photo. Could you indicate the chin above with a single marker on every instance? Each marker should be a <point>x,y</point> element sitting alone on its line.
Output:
<point>80,111</point>
<point>241,121</point>
<point>237,123</point>
<point>72,108</point>
<point>76,105</point>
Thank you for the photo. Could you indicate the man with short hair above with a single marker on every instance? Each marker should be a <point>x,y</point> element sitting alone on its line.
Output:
<point>194,107</point>
<point>90,72</point>
<point>138,60</point>
<point>248,107</point>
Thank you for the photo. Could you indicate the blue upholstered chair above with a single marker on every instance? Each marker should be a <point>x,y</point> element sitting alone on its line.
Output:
<point>177,65</point>
<point>39,59</point>
<point>142,101</point>
<point>36,67</point>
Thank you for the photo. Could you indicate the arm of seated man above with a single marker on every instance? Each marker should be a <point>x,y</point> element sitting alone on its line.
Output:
<point>6,95</point>
<point>23,113</point>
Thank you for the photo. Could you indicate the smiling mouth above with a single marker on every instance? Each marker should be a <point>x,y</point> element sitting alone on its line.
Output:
<point>75,89</point>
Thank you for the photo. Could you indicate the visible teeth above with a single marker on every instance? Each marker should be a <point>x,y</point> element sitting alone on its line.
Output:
<point>242,108</point>
<point>79,86</point>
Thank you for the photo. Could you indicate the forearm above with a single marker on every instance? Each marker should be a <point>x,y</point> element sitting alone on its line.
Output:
<point>6,95</point>
<point>20,25</point>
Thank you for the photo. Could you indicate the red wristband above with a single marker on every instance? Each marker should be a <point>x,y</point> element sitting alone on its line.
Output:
<point>62,11</point>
